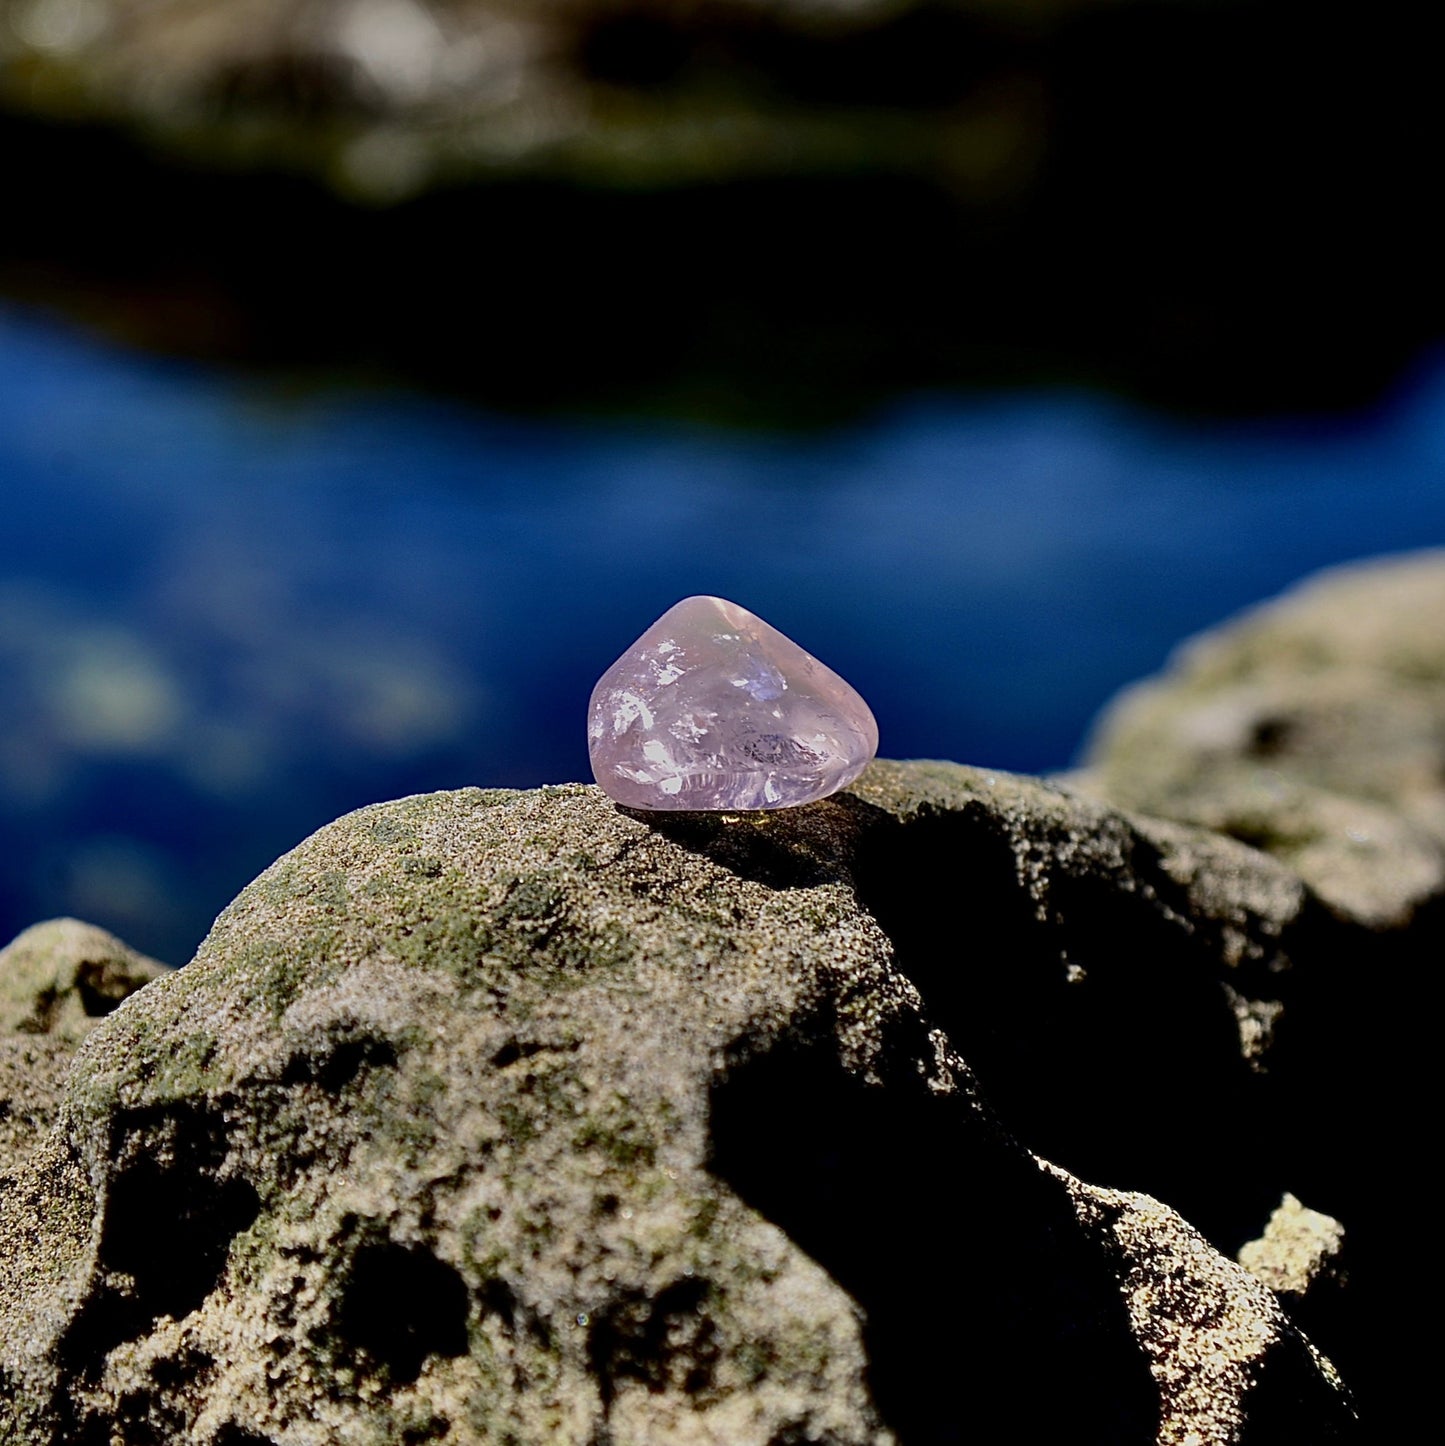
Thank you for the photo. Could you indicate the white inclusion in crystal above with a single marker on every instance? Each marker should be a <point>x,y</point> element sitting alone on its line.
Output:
<point>629,709</point>
<point>670,674</point>
<point>671,785</point>
<point>687,729</point>
<point>655,751</point>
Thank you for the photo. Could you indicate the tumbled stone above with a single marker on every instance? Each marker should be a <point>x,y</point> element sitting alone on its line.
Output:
<point>712,708</point>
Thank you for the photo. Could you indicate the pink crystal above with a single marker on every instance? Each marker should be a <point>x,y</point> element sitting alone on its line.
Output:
<point>711,708</point>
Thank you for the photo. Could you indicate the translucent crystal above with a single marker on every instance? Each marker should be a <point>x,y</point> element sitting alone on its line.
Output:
<point>711,708</point>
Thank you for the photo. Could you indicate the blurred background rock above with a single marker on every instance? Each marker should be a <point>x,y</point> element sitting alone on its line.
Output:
<point>756,207</point>
<point>371,371</point>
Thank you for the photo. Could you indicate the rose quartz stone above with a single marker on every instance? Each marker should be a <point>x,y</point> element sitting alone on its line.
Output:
<point>711,708</point>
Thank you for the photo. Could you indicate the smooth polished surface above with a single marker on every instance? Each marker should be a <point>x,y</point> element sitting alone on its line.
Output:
<point>712,708</point>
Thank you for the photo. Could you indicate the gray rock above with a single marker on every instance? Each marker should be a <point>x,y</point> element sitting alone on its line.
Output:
<point>512,1117</point>
<point>1314,728</point>
<point>32,1076</point>
<point>60,977</point>
<point>57,980</point>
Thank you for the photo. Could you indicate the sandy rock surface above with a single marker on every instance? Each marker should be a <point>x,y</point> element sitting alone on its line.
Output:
<point>57,980</point>
<point>495,1117</point>
<point>512,1117</point>
<point>1314,728</point>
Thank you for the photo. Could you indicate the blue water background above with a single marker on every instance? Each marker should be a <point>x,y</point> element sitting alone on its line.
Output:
<point>229,612</point>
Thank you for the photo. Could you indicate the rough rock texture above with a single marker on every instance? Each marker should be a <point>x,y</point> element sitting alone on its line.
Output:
<point>512,1117</point>
<point>1308,1260</point>
<point>58,978</point>
<point>56,981</point>
<point>1299,1248</point>
<point>950,1108</point>
<point>1312,728</point>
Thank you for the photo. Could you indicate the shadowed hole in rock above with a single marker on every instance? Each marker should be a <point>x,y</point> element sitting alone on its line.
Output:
<point>171,1237</point>
<point>169,1218</point>
<point>233,1435</point>
<point>102,984</point>
<point>499,1299</point>
<point>92,1432</point>
<point>438,1428</point>
<point>42,1014</point>
<point>336,1069</point>
<point>401,1305</point>
<point>146,1418</point>
<point>1350,1051</point>
<point>663,1341</point>
<point>974,1292</point>
<point>1269,737</point>
<point>184,1370</point>
<point>1100,1032</point>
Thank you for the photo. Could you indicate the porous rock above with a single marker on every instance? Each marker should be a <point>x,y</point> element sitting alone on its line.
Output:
<point>513,1117</point>
<point>32,1074</point>
<point>1313,727</point>
<point>1205,1326</point>
<point>57,980</point>
<point>1300,1249</point>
